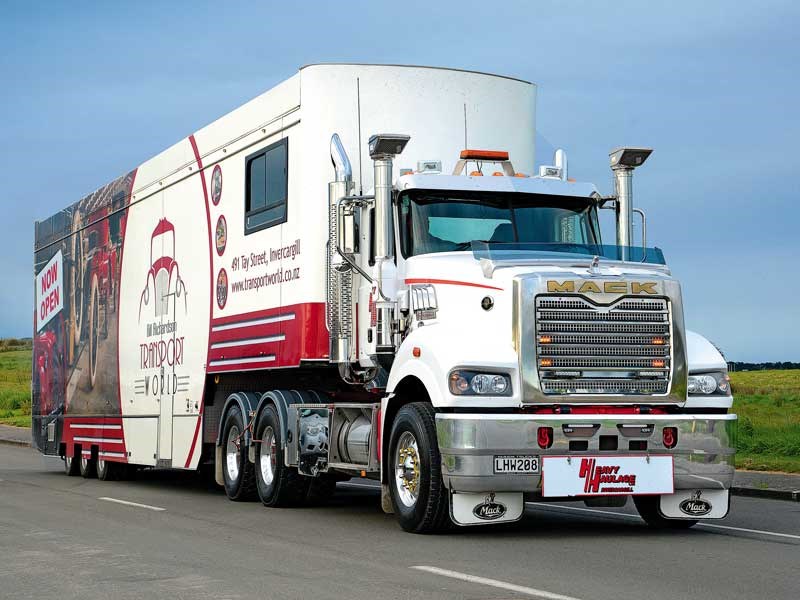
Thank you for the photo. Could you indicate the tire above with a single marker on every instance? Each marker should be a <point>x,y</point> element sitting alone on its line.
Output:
<point>76,280</point>
<point>94,331</point>
<point>649,511</point>
<point>419,497</point>
<point>107,470</point>
<point>238,472</point>
<point>277,484</point>
<point>87,466</point>
<point>71,466</point>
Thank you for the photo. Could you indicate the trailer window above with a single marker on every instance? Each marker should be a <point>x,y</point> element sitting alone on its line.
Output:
<point>266,188</point>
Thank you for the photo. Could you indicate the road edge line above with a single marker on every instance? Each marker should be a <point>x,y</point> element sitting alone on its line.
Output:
<point>19,443</point>
<point>766,493</point>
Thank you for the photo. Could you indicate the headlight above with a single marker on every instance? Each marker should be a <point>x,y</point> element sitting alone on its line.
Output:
<point>475,383</point>
<point>709,383</point>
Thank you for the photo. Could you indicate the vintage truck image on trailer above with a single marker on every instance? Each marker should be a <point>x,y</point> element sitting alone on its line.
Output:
<point>296,297</point>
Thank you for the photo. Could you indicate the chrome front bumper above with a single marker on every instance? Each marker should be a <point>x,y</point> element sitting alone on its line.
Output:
<point>703,457</point>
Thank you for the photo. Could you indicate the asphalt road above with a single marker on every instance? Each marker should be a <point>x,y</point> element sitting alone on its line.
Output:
<point>59,538</point>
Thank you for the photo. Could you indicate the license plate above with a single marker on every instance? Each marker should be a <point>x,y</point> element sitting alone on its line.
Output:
<point>516,465</point>
<point>606,475</point>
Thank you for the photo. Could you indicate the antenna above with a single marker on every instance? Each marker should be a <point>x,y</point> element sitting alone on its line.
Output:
<point>465,126</point>
<point>358,100</point>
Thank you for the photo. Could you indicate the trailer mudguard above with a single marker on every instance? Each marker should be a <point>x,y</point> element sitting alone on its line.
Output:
<point>247,402</point>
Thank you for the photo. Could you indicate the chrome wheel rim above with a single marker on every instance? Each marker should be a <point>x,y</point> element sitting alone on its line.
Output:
<point>269,454</point>
<point>101,465</point>
<point>232,454</point>
<point>84,463</point>
<point>407,469</point>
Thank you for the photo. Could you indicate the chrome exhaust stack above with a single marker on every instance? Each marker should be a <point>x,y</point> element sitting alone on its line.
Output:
<point>339,302</point>
<point>382,150</point>
<point>623,162</point>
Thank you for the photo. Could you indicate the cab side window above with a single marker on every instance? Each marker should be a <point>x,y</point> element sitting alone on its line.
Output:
<point>266,187</point>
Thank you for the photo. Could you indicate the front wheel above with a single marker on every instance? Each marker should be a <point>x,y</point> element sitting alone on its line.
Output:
<point>419,497</point>
<point>649,511</point>
<point>277,484</point>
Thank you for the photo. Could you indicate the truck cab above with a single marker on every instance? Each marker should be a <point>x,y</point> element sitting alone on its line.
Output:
<point>524,358</point>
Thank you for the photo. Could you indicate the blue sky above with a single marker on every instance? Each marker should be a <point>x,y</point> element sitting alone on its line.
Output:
<point>92,90</point>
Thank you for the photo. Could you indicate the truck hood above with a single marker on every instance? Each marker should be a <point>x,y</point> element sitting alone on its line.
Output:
<point>463,269</point>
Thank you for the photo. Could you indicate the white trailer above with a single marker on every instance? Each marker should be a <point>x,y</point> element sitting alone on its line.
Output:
<point>297,298</point>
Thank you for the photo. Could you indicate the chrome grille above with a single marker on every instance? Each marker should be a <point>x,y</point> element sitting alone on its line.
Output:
<point>604,386</point>
<point>607,363</point>
<point>558,327</point>
<point>568,315</point>
<point>621,348</point>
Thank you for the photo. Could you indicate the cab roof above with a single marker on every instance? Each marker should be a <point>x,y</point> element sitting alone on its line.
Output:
<point>489,183</point>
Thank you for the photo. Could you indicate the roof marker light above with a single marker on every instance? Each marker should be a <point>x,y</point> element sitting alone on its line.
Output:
<point>490,155</point>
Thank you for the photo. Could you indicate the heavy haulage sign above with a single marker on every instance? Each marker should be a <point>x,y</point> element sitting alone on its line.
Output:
<point>606,475</point>
<point>49,291</point>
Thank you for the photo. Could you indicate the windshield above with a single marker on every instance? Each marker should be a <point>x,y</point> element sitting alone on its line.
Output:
<point>435,221</point>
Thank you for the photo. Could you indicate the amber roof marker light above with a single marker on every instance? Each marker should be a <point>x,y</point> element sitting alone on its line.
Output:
<point>487,155</point>
<point>481,156</point>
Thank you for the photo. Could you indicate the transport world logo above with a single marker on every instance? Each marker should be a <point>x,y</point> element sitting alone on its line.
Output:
<point>159,303</point>
<point>164,289</point>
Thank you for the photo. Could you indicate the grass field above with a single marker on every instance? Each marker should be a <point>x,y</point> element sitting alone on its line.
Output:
<point>767,402</point>
<point>15,388</point>
<point>768,405</point>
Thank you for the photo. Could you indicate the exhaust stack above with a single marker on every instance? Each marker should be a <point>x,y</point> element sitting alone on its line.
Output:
<point>339,289</point>
<point>383,148</point>
<point>623,162</point>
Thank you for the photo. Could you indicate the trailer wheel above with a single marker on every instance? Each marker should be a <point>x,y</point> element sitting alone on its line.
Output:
<point>277,484</point>
<point>94,330</point>
<point>419,497</point>
<point>71,466</point>
<point>649,511</point>
<point>87,466</point>
<point>107,470</point>
<point>237,471</point>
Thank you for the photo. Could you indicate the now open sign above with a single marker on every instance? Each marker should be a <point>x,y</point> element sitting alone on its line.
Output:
<point>49,290</point>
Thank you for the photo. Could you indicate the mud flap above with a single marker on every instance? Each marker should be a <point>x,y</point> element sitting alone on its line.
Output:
<point>485,507</point>
<point>695,504</point>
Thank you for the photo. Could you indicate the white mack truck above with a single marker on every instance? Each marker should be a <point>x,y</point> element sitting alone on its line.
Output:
<point>430,314</point>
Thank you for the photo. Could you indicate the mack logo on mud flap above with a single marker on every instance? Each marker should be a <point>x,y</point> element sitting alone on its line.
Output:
<point>695,506</point>
<point>489,509</point>
<point>603,287</point>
